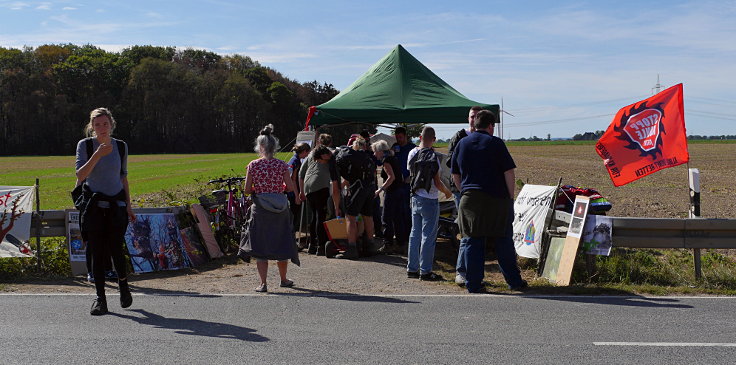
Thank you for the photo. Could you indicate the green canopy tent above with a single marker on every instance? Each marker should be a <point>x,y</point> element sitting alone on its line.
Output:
<point>397,89</point>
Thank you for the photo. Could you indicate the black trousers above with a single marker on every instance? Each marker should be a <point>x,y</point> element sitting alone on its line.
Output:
<point>318,201</point>
<point>106,241</point>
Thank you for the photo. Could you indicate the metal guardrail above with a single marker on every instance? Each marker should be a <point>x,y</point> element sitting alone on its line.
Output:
<point>666,232</point>
<point>53,222</point>
<point>687,233</point>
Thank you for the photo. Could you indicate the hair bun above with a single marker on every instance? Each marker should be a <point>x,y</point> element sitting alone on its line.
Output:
<point>267,130</point>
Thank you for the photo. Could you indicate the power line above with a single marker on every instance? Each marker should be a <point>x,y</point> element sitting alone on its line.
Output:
<point>553,121</point>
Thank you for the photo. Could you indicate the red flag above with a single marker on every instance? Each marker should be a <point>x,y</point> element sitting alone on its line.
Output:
<point>310,114</point>
<point>645,137</point>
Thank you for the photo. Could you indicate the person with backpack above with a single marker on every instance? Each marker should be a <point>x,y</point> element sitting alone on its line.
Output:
<point>356,167</point>
<point>426,183</point>
<point>396,211</point>
<point>106,209</point>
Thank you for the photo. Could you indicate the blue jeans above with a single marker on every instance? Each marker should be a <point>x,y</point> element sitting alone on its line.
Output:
<point>425,214</point>
<point>474,256</point>
<point>460,266</point>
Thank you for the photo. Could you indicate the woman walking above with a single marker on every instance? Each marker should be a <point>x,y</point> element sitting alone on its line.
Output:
<point>269,233</point>
<point>102,167</point>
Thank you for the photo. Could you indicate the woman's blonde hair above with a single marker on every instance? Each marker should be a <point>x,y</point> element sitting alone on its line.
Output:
<point>89,130</point>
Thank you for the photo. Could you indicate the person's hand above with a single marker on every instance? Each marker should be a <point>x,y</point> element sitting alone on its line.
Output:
<point>448,194</point>
<point>104,149</point>
<point>302,197</point>
<point>131,215</point>
<point>338,213</point>
<point>377,192</point>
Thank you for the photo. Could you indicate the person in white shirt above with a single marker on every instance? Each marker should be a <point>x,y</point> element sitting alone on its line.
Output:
<point>425,209</point>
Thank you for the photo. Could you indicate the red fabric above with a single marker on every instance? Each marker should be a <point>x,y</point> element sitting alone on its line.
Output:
<point>312,110</point>
<point>268,175</point>
<point>645,137</point>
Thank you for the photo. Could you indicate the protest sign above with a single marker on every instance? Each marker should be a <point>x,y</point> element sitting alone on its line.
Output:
<point>530,212</point>
<point>16,205</point>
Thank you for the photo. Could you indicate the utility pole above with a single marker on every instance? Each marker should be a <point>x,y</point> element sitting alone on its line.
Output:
<point>657,87</point>
<point>501,125</point>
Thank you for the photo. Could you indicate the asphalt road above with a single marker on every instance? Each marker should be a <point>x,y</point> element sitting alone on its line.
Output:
<point>310,328</point>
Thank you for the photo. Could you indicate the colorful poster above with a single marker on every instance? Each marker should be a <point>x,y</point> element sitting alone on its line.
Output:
<point>195,249</point>
<point>154,243</point>
<point>77,247</point>
<point>16,205</point>
<point>530,212</point>
<point>645,137</point>
<point>597,235</point>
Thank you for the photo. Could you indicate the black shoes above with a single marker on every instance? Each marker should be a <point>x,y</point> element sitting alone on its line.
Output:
<point>126,299</point>
<point>99,307</point>
<point>412,274</point>
<point>520,287</point>
<point>430,276</point>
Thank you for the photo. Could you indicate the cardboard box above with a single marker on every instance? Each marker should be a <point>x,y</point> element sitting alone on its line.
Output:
<point>337,229</point>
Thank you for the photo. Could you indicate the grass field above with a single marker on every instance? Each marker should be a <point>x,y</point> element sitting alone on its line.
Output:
<point>148,175</point>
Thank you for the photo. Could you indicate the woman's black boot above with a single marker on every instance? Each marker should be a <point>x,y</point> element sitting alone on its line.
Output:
<point>99,307</point>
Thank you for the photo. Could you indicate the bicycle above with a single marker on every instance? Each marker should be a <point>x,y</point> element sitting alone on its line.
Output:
<point>228,210</point>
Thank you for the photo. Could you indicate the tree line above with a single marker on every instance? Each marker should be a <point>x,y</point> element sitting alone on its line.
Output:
<point>164,99</point>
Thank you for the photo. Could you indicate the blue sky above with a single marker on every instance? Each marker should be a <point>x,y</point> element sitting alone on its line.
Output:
<point>560,67</point>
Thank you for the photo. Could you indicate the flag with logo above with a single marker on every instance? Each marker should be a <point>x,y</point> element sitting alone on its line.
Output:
<point>645,137</point>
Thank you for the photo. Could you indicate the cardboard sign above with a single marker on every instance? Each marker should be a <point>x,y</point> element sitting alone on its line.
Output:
<point>572,241</point>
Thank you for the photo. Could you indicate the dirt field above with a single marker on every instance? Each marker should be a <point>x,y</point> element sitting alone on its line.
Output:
<point>663,194</point>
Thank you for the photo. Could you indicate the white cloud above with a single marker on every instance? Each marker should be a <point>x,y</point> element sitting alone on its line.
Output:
<point>68,8</point>
<point>16,5</point>
<point>44,6</point>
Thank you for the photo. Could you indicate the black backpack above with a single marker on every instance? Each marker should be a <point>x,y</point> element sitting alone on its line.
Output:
<point>354,165</point>
<point>423,166</point>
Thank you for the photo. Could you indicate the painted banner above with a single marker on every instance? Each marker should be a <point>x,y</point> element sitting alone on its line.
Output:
<point>154,243</point>
<point>16,204</point>
<point>597,234</point>
<point>530,212</point>
<point>645,137</point>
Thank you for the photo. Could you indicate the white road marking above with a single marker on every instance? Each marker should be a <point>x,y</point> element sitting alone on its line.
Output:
<point>667,344</point>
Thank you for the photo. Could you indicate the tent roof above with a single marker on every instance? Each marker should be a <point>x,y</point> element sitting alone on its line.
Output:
<point>397,89</point>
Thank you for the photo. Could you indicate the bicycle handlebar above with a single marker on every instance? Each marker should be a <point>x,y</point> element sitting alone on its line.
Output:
<point>229,180</point>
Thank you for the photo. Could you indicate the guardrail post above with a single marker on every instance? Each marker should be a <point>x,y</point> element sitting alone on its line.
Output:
<point>38,226</point>
<point>694,179</point>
